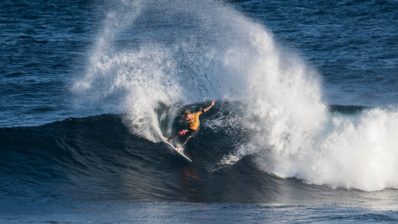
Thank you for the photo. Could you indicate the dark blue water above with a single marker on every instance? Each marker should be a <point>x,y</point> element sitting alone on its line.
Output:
<point>68,154</point>
<point>352,43</point>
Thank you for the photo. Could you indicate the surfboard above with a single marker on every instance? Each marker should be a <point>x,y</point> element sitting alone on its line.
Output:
<point>178,150</point>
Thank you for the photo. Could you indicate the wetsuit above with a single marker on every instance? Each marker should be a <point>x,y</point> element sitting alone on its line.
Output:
<point>193,126</point>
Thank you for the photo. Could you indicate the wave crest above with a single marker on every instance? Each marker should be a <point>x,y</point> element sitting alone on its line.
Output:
<point>173,52</point>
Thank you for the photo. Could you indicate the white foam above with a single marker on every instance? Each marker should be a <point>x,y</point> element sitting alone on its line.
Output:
<point>221,54</point>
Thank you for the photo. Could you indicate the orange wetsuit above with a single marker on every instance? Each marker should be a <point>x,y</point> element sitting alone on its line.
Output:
<point>194,123</point>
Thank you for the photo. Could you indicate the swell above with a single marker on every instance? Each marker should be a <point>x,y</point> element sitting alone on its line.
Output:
<point>98,158</point>
<point>89,154</point>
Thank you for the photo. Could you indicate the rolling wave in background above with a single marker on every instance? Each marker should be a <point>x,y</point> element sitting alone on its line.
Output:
<point>283,125</point>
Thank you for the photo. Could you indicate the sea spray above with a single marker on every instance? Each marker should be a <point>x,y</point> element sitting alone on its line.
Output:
<point>226,56</point>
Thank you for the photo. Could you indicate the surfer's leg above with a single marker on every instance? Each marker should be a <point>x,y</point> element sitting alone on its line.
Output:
<point>190,135</point>
<point>180,133</point>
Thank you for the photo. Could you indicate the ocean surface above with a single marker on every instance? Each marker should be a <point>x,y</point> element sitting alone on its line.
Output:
<point>305,126</point>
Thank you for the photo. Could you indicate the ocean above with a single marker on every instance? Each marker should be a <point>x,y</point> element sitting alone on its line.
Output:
<point>304,129</point>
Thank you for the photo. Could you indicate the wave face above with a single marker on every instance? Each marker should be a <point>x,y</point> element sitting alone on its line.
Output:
<point>290,132</point>
<point>98,159</point>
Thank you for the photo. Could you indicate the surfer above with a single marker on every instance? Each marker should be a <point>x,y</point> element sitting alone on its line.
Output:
<point>193,123</point>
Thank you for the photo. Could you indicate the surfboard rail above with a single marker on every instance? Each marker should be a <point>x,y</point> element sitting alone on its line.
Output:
<point>178,150</point>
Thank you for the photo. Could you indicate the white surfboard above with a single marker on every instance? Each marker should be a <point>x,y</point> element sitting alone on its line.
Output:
<point>178,150</point>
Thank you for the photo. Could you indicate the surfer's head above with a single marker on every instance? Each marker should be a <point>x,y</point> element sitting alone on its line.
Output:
<point>188,115</point>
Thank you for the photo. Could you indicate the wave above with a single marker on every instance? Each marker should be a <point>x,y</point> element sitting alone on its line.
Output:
<point>97,158</point>
<point>154,53</point>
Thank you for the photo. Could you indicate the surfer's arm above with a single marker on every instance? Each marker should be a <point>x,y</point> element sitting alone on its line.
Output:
<point>209,107</point>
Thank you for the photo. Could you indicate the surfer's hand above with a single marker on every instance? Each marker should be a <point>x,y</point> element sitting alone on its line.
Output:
<point>210,106</point>
<point>183,132</point>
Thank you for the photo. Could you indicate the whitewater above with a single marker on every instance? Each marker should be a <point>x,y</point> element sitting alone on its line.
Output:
<point>226,56</point>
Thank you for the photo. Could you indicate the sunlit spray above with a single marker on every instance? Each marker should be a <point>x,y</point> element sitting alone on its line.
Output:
<point>192,51</point>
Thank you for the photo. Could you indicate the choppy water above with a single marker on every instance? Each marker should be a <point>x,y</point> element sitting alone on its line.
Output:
<point>305,128</point>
